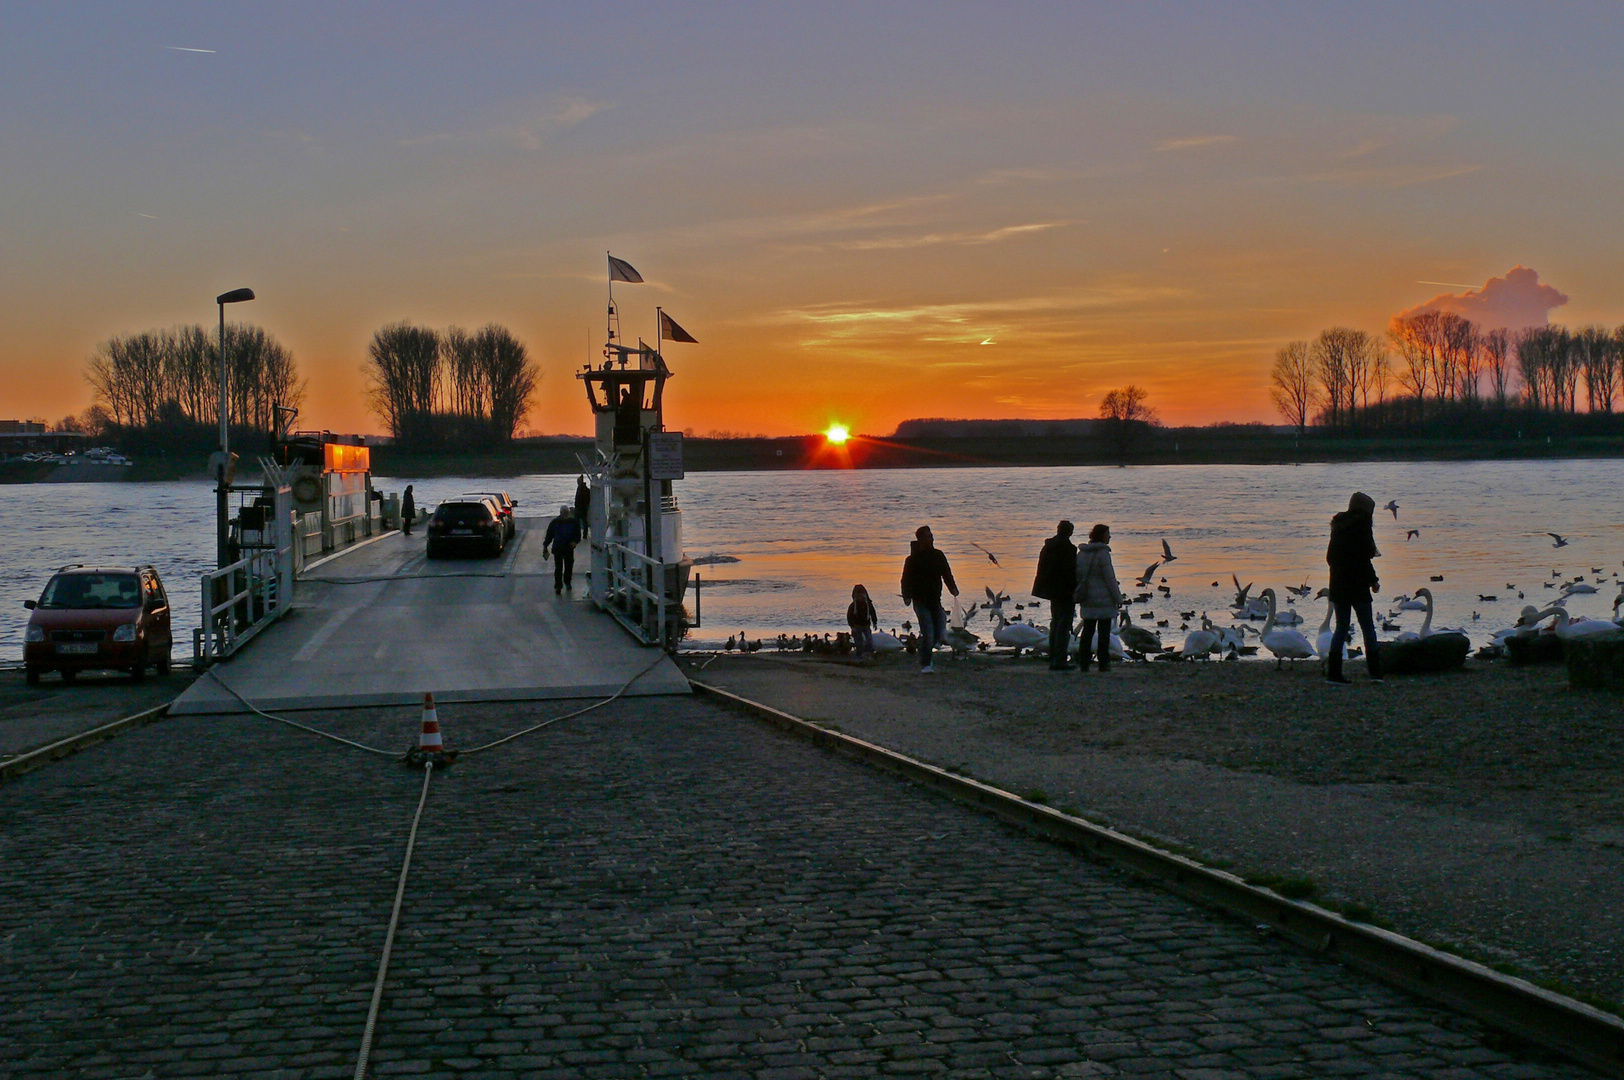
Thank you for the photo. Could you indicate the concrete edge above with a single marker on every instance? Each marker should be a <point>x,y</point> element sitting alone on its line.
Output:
<point>345,550</point>
<point>1561,1024</point>
<point>14,767</point>
<point>226,705</point>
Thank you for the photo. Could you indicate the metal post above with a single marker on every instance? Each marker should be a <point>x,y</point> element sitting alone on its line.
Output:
<point>648,513</point>
<point>222,554</point>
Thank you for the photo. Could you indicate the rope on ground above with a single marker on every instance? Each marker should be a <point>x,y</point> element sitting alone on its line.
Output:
<point>389,936</point>
<point>426,577</point>
<point>302,727</point>
<point>570,716</point>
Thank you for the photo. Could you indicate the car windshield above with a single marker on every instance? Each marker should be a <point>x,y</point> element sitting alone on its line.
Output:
<point>79,591</point>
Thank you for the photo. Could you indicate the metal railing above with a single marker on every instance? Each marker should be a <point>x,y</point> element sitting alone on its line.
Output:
<point>239,601</point>
<point>636,593</point>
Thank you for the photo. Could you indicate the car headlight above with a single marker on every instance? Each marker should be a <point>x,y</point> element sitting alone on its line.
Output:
<point>34,633</point>
<point>125,632</point>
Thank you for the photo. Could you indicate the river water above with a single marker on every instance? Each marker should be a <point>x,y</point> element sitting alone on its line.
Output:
<point>802,539</point>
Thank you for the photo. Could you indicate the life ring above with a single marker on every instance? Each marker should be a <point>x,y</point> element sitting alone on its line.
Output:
<point>306,489</point>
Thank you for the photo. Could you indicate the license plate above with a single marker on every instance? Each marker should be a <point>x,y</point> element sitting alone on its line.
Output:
<point>83,648</point>
<point>462,532</point>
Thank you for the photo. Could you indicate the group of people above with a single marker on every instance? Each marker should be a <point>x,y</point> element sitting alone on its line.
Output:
<point>1080,583</point>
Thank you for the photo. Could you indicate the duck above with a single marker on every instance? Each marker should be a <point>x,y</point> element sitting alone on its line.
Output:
<point>1284,644</point>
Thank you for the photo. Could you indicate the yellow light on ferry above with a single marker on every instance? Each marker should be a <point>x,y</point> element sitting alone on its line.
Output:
<point>837,433</point>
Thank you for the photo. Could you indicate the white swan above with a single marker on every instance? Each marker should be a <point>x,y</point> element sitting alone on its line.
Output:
<point>886,643</point>
<point>1202,642</point>
<point>1322,643</point>
<point>1284,644</point>
<point>1018,635</point>
<point>1426,623</point>
<point>1568,628</point>
<point>1137,638</point>
<point>1415,603</point>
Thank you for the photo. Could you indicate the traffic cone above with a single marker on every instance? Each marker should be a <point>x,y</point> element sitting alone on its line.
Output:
<point>429,740</point>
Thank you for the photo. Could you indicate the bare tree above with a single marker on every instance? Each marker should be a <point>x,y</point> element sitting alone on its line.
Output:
<point>1127,410</point>
<point>403,365</point>
<point>1595,350</point>
<point>1417,340</point>
<point>1496,347</point>
<point>1295,389</point>
<point>1461,345</point>
<point>509,378</point>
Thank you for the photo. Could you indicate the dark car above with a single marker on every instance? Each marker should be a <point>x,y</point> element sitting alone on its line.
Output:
<point>466,524</point>
<point>504,503</point>
<point>98,618</point>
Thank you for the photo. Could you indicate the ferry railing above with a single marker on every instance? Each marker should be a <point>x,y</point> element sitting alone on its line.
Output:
<point>636,593</point>
<point>245,597</point>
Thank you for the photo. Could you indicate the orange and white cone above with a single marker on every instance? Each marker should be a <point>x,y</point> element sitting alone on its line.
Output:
<point>429,740</point>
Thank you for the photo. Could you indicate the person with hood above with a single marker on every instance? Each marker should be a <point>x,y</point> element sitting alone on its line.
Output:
<point>1057,583</point>
<point>583,506</point>
<point>863,620</point>
<point>563,533</point>
<point>923,574</point>
<point>1099,595</point>
<point>1353,580</point>
<point>408,511</point>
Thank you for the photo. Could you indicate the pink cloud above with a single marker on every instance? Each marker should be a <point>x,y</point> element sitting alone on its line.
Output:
<point>1515,301</point>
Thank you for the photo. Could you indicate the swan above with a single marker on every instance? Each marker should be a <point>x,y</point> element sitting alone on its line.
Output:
<point>1569,629</point>
<point>1018,635</point>
<point>1137,638</point>
<point>1322,643</point>
<point>1426,623</point>
<point>1618,620</point>
<point>1415,603</point>
<point>1577,587</point>
<point>1202,642</point>
<point>886,643</point>
<point>1288,617</point>
<point>1284,644</point>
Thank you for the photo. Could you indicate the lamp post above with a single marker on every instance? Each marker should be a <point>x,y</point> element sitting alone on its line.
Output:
<point>222,526</point>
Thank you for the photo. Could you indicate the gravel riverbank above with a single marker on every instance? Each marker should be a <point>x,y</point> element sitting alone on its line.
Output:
<point>1481,810</point>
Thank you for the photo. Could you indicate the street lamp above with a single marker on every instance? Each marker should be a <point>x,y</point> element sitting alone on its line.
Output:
<point>221,521</point>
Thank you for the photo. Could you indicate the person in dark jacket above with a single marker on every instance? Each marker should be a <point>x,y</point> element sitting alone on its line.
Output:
<point>1353,580</point>
<point>863,621</point>
<point>1056,582</point>
<point>563,533</point>
<point>408,511</point>
<point>923,574</point>
<point>583,506</point>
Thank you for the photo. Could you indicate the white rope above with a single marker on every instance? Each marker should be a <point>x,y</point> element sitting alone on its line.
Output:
<point>569,716</point>
<point>302,727</point>
<point>389,937</point>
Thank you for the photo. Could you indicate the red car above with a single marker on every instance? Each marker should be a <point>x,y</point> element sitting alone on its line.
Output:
<point>98,618</point>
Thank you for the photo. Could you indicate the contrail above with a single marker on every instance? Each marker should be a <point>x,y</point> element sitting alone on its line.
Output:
<point>1451,284</point>
<point>182,48</point>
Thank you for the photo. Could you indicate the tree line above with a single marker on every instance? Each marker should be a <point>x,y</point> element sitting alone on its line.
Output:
<point>159,390</point>
<point>450,388</point>
<point>1443,368</point>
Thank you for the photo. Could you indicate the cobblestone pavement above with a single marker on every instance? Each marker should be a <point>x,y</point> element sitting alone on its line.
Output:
<point>659,888</point>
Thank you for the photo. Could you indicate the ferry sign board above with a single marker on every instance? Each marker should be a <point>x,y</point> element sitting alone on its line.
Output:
<point>665,455</point>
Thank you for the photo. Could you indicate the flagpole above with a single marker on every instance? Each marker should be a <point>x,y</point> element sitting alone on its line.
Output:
<point>608,330</point>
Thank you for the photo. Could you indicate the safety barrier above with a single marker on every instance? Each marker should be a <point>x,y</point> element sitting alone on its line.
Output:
<point>636,594</point>
<point>239,601</point>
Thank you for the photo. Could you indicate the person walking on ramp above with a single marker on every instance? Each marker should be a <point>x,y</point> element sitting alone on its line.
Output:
<point>563,533</point>
<point>1353,580</point>
<point>1098,597</point>
<point>923,574</point>
<point>1057,582</point>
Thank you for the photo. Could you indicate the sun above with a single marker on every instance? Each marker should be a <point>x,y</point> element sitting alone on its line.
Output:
<point>837,433</point>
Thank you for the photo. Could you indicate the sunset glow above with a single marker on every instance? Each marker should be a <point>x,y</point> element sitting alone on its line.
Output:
<point>985,214</point>
<point>837,434</point>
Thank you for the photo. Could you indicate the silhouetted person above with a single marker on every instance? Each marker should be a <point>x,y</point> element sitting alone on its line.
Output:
<point>1098,597</point>
<point>563,533</point>
<point>408,511</point>
<point>1353,580</point>
<point>923,574</point>
<point>1057,583</point>
<point>583,506</point>
<point>863,620</point>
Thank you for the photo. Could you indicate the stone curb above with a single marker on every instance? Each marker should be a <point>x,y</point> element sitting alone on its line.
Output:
<point>14,767</point>
<point>1568,1027</point>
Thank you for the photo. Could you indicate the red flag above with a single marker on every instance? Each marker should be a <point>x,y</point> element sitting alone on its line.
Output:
<point>621,270</point>
<point>670,331</point>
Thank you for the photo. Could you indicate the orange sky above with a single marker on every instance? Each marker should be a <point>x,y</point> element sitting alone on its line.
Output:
<point>994,218</point>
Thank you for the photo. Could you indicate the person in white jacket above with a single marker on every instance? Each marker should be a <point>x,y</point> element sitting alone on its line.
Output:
<point>1099,595</point>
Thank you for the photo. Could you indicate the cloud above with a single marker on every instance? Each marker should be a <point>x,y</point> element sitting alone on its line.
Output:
<point>1192,142</point>
<point>527,133</point>
<point>1515,301</point>
<point>993,236</point>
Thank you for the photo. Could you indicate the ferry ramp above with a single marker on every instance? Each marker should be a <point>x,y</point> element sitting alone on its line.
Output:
<point>381,624</point>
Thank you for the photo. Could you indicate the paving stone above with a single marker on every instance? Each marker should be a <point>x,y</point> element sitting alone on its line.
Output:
<point>659,888</point>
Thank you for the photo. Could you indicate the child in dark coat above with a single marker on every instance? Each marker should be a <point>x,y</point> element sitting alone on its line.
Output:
<point>863,620</point>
